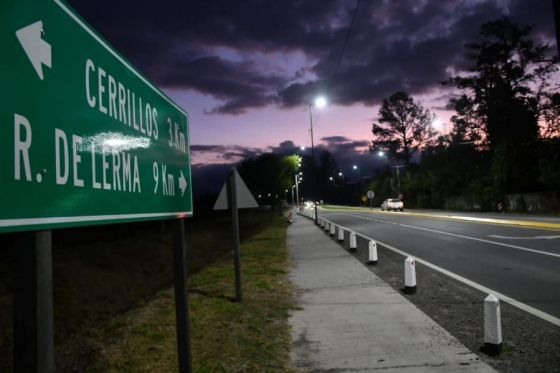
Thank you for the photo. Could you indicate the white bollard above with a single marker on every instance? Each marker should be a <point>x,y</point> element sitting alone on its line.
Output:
<point>492,326</point>
<point>333,229</point>
<point>326,225</point>
<point>409,276</point>
<point>321,223</point>
<point>353,244</point>
<point>372,257</point>
<point>340,234</point>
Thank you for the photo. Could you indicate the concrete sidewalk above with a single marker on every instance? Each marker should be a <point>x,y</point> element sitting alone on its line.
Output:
<point>352,321</point>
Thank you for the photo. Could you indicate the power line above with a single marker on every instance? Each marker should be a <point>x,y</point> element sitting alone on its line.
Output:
<point>344,45</point>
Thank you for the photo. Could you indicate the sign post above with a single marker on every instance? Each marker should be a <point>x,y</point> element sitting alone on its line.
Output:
<point>232,199</point>
<point>235,195</point>
<point>370,195</point>
<point>85,139</point>
<point>181,297</point>
<point>33,303</point>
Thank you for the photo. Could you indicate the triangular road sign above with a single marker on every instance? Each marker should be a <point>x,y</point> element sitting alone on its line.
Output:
<point>245,199</point>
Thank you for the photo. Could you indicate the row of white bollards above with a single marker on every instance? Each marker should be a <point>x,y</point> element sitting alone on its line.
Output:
<point>492,316</point>
<point>332,229</point>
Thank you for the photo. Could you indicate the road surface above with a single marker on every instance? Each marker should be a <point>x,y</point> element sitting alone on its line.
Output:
<point>516,256</point>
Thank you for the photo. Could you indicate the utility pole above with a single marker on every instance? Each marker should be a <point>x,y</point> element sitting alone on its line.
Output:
<point>556,6</point>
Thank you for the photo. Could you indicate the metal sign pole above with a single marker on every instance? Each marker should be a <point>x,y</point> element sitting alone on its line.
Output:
<point>181,297</point>
<point>33,304</point>
<point>232,199</point>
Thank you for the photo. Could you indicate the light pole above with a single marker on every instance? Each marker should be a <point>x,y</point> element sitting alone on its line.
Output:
<point>320,102</point>
<point>382,154</point>
<point>297,190</point>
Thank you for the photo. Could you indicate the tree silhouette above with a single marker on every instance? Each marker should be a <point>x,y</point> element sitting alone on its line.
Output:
<point>403,127</point>
<point>505,91</point>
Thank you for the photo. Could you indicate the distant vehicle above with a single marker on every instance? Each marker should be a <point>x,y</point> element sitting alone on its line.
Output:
<point>309,205</point>
<point>392,204</point>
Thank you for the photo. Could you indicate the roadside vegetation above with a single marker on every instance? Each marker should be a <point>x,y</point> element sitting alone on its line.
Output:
<point>102,273</point>
<point>226,336</point>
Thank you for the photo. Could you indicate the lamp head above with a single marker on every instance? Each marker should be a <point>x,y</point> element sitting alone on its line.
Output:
<point>320,102</point>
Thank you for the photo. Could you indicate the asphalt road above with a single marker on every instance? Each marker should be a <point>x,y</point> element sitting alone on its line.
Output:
<point>522,263</point>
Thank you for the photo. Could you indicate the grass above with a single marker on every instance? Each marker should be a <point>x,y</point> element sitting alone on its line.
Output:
<point>226,336</point>
<point>103,272</point>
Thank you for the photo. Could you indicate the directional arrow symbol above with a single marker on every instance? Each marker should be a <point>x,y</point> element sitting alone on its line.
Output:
<point>38,51</point>
<point>182,183</point>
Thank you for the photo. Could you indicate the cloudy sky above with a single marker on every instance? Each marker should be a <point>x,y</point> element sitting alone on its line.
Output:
<point>246,70</point>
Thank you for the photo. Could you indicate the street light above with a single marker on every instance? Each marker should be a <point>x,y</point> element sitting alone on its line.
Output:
<point>438,123</point>
<point>320,102</point>
<point>381,154</point>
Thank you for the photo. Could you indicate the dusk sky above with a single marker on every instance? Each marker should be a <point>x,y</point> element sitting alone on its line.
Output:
<point>246,71</point>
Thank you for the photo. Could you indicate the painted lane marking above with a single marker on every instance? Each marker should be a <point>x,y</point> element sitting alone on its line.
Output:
<point>524,238</point>
<point>470,238</point>
<point>469,219</point>
<point>522,306</point>
<point>483,240</point>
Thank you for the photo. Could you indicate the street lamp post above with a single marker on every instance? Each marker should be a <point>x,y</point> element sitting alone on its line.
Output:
<point>320,102</point>
<point>297,190</point>
<point>382,154</point>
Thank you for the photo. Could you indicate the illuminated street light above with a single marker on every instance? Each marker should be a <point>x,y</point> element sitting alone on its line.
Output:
<point>354,167</point>
<point>340,174</point>
<point>380,153</point>
<point>438,123</point>
<point>320,102</point>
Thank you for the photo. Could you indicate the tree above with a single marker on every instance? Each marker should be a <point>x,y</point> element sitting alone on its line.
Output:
<point>271,174</point>
<point>506,90</point>
<point>403,127</point>
<point>325,174</point>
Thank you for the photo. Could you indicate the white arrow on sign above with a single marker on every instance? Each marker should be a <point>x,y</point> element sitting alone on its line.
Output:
<point>38,51</point>
<point>182,183</point>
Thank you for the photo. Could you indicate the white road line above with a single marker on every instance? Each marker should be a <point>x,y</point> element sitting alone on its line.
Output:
<point>524,238</point>
<point>522,306</point>
<point>469,238</point>
<point>482,240</point>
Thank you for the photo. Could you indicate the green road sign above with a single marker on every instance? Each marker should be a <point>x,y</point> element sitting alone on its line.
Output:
<point>84,138</point>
